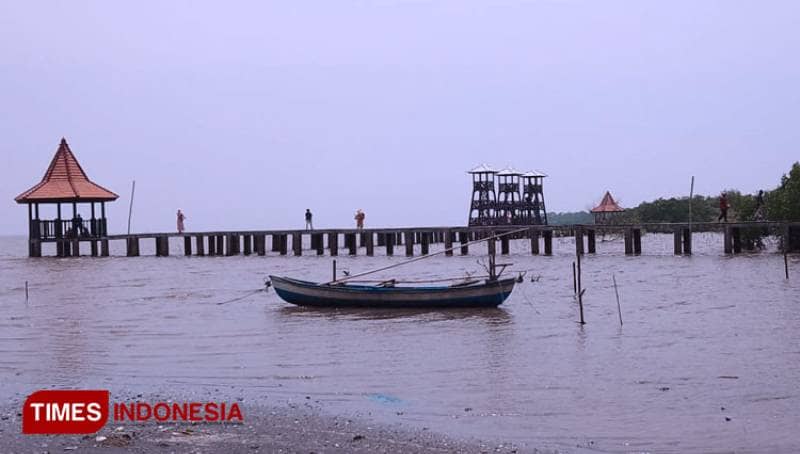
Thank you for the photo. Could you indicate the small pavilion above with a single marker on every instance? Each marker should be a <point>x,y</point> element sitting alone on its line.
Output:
<point>65,182</point>
<point>607,211</point>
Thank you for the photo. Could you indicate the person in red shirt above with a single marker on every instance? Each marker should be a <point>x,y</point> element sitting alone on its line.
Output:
<point>723,207</point>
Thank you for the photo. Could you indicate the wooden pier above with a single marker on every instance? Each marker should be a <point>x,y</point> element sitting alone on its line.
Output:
<point>411,241</point>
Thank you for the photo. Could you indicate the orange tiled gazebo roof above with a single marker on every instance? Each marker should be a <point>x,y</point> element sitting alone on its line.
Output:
<point>65,181</point>
<point>607,205</point>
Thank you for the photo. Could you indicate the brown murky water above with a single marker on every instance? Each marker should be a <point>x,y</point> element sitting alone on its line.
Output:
<point>704,339</point>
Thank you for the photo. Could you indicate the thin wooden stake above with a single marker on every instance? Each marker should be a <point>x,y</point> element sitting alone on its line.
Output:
<point>580,290</point>
<point>334,271</point>
<point>130,209</point>
<point>786,264</point>
<point>574,279</point>
<point>619,308</point>
<point>26,291</point>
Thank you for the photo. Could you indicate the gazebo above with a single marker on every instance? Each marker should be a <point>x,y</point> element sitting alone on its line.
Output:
<point>65,182</point>
<point>607,210</point>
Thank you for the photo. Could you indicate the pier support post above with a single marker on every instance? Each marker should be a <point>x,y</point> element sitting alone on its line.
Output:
<point>283,244</point>
<point>212,243</point>
<point>220,245</point>
<point>504,244</point>
<point>76,248</point>
<point>491,244</point>
<point>409,237</point>
<point>637,241</point>
<point>687,241</point>
<point>248,244</point>
<point>261,244</point>
<point>333,243</point>
<point>65,248</point>
<point>319,243</point>
<point>534,236</point>
<point>591,241</point>
<point>736,233</point>
<point>93,247</point>
<point>677,244</point>
<point>425,243</point>
<point>381,239</point>
<point>448,243</point>
<point>463,238</point>
<point>579,240</point>
<point>297,244</point>
<point>352,246</point>
<point>390,243</point>
<point>103,249</point>
<point>229,250</point>
<point>162,246</point>
<point>370,244</point>
<point>276,242</point>
<point>548,242</point>
<point>628,241</point>
<point>198,242</point>
<point>187,245</point>
<point>132,244</point>
<point>726,240</point>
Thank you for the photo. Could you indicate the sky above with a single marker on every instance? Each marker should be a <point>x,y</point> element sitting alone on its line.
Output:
<point>244,114</point>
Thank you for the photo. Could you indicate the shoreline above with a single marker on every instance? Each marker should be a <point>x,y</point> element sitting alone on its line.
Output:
<point>290,428</point>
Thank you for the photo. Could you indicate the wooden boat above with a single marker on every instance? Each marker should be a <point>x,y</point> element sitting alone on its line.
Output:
<point>471,293</point>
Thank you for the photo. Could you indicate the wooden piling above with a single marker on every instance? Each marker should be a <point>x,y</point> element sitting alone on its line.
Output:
<point>370,244</point>
<point>248,244</point>
<point>504,244</point>
<point>736,234</point>
<point>463,238</point>
<point>297,244</point>
<point>220,244</point>
<point>93,248</point>
<point>212,245</point>
<point>132,244</point>
<point>390,243</point>
<point>492,244</point>
<point>198,243</point>
<point>284,244</point>
<point>591,240</point>
<point>637,241</point>
<point>104,252</point>
<point>579,240</point>
<point>677,242</point>
<point>547,235</point>
<point>352,246</point>
<point>687,241</point>
<point>727,244</point>
<point>187,245</point>
<point>381,239</point>
<point>409,237</point>
<point>162,246</point>
<point>261,244</point>
<point>580,289</point>
<point>276,242</point>
<point>76,248</point>
<point>533,234</point>
<point>448,243</point>
<point>425,243</point>
<point>333,243</point>
<point>628,241</point>
<point>318,243</point>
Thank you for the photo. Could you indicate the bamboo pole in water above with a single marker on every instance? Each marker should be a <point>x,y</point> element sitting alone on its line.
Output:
<point>619,308</point>
<point>785,264</point>
<point>580,290</point>
<point>574,279</point>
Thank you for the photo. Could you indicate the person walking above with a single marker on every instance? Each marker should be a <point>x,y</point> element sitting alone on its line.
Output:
<point>309,222</point>
<point>360,219</point>
<point>181,218</point>
<point>723,207</point>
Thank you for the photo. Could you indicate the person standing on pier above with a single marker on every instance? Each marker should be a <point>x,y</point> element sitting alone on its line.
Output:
<point>181,218</point>
<point>309,222</point>
<point>759,211</point>
<point>723,208</point>
<point>360,219</point>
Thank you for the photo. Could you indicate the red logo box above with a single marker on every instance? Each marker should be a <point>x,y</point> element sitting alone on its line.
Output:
<point>65,412</point>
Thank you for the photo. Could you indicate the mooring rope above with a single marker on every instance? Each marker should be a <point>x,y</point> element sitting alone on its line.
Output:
<point>248,295</point>
<point>416,259</point>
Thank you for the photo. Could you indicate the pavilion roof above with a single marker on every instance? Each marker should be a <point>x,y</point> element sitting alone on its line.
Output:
<point>65,181</point>
<point>607,205</point>
<point>534,174</point>
<point>509,172</point>
<point>483,168</point>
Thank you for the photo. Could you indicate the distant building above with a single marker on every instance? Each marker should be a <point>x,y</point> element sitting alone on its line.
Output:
<point>607,211</point>
<point>506,197</point>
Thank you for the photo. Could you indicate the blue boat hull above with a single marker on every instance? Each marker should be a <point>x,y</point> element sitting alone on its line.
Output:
<point>304,293</point>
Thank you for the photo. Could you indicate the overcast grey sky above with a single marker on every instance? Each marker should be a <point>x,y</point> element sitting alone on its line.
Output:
<point>243,114</point>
